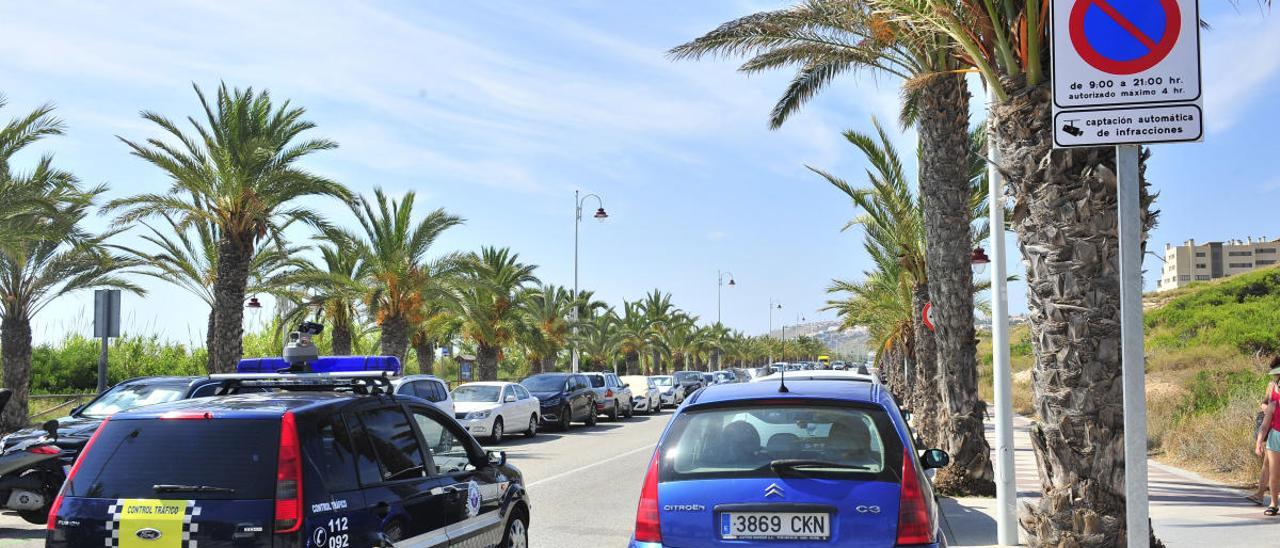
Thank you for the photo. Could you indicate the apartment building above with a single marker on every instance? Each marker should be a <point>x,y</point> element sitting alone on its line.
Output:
<point>1191,262</point>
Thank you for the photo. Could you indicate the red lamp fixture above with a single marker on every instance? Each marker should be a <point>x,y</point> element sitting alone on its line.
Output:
<point>979,256</point>
<point>600,214</point>
<point>253,303</point>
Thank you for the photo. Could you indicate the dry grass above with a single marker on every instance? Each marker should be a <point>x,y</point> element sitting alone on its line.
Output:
<point>1218,444</point>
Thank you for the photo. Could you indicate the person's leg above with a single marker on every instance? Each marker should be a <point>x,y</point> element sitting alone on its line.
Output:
<point>1273,463</point>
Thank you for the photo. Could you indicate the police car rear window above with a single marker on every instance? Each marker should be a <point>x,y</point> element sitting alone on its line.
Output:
<point>131,457</point>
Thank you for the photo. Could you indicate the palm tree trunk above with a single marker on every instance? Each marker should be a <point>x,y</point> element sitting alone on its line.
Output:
<point>1065,219</point>
<point>340,338</point>
<point>944,190</point>
<point>925,404</point>
<point>395,336</point>
<point>487,362</point>
<point>426,352</point>
<point>549,363</point>
<point>632,363</point>
<point>227,344</point>
<point>658,366</point>
<point>15,345</point>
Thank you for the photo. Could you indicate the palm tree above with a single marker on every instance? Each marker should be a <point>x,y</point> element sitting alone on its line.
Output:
<point>599,340</point>
<point>187,257</point>
<point>886,204</point>
<point>1071,260</point>
<point>486,302</point>
<point>826,38</point>
<point>35,270</point>
<point>240,167</point>
<point>547,309</point>
<point>399,280</point>
<point>332,287</point>
<point>437,324</point>
<point>636,338</point>
<point>657,310</point>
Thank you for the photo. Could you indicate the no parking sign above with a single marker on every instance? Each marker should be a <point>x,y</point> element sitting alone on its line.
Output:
<point>1126,71</point>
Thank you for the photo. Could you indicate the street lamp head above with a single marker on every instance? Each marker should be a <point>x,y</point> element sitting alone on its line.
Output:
<point>601,215</point>
<point>731,282</point>
<point>979,256</point>
<point>253,304</point>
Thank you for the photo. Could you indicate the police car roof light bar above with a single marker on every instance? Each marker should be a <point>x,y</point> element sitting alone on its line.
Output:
<point>360,382</point>
<point>326,364</point>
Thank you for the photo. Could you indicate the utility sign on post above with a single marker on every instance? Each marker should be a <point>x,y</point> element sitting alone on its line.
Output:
<point>106,324</point>
<point>1126,72</point>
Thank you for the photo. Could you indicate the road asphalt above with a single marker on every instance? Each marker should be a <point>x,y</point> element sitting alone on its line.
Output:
<point>583,484</point>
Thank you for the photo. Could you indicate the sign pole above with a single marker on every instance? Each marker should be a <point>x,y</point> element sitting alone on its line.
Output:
<point>1006,478</point>
<point>1129,214</point>
<point>106,324</point>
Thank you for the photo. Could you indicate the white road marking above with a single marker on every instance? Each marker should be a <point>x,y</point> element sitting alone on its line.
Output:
<point>592,465</point>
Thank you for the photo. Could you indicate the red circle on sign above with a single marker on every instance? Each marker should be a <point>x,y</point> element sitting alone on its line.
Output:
<point>1157,53</point>
<point>926,316</point>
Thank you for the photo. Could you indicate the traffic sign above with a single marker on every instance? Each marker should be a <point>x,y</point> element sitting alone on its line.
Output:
<point>1126,72</point>
<point>926,315</point>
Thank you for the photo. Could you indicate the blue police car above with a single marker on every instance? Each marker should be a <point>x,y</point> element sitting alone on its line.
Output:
<point>800,463</point>
<point>330,458</point>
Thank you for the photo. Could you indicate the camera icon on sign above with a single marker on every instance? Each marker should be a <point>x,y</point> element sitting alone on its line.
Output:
<point>1071,129</point>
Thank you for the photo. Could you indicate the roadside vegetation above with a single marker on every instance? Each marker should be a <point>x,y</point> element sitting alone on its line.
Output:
<point>1208,349</point>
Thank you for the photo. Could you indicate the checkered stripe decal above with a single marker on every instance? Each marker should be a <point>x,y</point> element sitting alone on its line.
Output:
<point>189,527</point>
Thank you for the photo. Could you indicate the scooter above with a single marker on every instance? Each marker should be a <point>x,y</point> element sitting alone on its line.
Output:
<point>31,473</point>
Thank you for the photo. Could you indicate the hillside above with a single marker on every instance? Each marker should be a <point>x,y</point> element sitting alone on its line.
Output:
<point>844,342</point>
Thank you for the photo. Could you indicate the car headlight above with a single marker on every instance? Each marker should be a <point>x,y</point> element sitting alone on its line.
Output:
<point>477,415</point>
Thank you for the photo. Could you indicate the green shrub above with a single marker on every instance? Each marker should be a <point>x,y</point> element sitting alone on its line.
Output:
<point>1240,312</point>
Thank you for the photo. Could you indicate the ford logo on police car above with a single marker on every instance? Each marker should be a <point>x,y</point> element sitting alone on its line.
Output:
<point>148,534</point>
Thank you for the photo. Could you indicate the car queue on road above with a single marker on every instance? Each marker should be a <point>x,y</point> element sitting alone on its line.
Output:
<point>306,453</point>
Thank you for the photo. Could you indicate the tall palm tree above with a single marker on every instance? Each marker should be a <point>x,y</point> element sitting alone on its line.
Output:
<point>35,270</point>
<point>599,340</point>
<point>437,324</point>
<point>241,166</point>
<point>399,279</point>
<point>885,204</point>
<point>1071,263</point>
<point>486,302</point>
<point>826,38</point>
<point>187,256</point>
<point>548,309</point>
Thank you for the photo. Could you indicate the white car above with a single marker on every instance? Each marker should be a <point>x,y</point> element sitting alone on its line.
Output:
<point>491,409</point>
<point>669,391</point>
<point>645,396</point>
<point>819,375</point>
<point>427,387</point>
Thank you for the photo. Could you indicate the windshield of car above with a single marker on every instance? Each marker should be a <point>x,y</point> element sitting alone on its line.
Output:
<point>129,396</point>
<point>544,383</point>
<point>689,376</point>
<point>755,441</point>
<point>476,393</point>
<point>662,381</point>
<point>202,459</point>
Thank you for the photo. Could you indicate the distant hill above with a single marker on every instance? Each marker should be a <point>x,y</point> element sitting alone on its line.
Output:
<point>840,341</point>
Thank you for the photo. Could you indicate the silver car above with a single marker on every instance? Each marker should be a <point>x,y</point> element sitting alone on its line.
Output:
<point>669,391</point>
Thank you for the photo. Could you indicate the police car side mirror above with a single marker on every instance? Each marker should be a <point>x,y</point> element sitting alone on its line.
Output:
<point>496,458</point>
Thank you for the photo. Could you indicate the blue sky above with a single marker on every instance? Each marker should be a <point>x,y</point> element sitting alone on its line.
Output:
<point>497,111</point>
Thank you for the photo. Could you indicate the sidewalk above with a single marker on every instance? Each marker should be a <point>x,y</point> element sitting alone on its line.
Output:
<point>1186,508</point>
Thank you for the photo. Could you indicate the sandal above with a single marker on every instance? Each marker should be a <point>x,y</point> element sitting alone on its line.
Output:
<point>1271,511</point>
<point>1256,499</point>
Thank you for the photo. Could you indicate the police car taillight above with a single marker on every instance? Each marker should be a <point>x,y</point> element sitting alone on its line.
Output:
<point>288,478</point>
<point>57,502</point>
<point>326,364</point>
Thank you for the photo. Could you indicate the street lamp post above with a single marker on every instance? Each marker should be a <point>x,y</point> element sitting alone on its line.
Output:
<point>577,220</point>
<point>1006,480</point>
<point>772,306</point>
<point>720,283</point>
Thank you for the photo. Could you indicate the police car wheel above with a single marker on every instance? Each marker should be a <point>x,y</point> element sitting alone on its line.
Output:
<point>516,535</point>
<point>496,434</point>
<point>533,426</point>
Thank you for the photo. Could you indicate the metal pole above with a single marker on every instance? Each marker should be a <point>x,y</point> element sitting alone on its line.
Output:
<point>1129,215</point>
<point>719,283</point>
<point>1006,476</point>
<point>102,363</point>
<point>577,220</point>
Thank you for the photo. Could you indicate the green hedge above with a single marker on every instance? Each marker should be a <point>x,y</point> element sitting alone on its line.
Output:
<point>1241,312</point>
